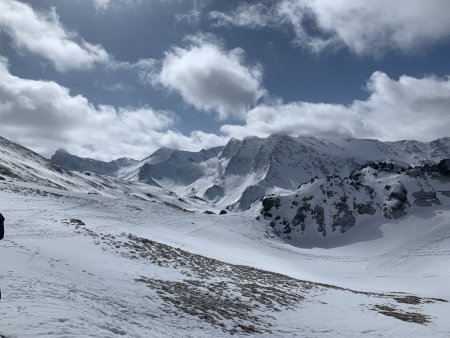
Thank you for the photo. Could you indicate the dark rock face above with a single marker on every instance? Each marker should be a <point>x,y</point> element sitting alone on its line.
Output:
<point>425,199</point>
<point>7,172</point>
<point>223,212</point>
<point>301,214</point>
<point>333,205</point>
<point>251,194</point>
<point>364,208</point>
<point>72,162</point>
<point>398,202</point>
<point>399,193</point>
<point>270,202</point>
<point>318,215</point>
<point>444,167</point>
<point>382,166</point>
<point>145,175</point>
<point>213,192</point>
<point>343,219</point>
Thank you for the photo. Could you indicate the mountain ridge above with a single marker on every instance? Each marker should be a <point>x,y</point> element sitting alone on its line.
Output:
<point>301,187</point>
<point>237,174</point>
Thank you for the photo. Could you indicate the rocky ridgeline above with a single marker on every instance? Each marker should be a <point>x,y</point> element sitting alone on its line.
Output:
<point>333,205</point>
<point>72,162</point>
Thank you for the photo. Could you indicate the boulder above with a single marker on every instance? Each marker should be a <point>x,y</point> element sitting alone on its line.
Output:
<point>444,167</point>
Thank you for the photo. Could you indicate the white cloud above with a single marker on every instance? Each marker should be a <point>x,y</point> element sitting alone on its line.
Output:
<point>44,116</point>
<point>194,15</point>
<point>103,5</point>
<point>297,118</point>
<point>407,108</point>
<point>43,34</point>
<point>365,27</point>
<point>255,15</point>
<point>212,79</point>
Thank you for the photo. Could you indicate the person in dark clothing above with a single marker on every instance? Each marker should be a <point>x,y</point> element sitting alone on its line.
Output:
<point>2,226</point>
<point>2,234</point>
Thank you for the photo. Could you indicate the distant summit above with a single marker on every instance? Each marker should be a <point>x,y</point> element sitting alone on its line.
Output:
<point>71,162</point>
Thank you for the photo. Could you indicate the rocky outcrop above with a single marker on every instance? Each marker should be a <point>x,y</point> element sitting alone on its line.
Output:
<point>214,192</point>
<point>270,202</point>
<point>397,201</point>
<point>333,205</point>
<point>425,198</point>
<point>364,208</point>
<point>444,167</point>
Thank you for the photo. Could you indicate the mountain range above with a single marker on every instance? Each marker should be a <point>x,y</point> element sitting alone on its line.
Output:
<point>236,175</point>
<point>261,236</point>
<point>304,187</point>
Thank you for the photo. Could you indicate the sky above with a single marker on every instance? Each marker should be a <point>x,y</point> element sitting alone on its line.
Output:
<point>121,78</point>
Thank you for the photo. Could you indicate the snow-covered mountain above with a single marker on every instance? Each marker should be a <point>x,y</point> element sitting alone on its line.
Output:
<point>238,174</point>
<point>313,186</point>
<point>87,255</point>
<point>329,207</point>
<point>21,165</point>
<point>17,162</point>
<point>71,162</point>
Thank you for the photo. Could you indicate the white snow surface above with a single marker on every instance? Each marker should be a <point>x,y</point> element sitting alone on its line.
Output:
<point>71,269</point>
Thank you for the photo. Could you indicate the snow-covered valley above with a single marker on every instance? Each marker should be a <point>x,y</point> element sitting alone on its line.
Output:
<point>93,256</point>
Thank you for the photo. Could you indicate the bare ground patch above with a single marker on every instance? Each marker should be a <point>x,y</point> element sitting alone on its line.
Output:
<point>235,298</point>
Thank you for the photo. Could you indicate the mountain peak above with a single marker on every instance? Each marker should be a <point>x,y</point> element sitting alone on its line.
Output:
<point>243,171</point>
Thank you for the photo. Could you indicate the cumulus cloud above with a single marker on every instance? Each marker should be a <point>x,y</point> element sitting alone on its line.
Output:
<point>44,116</point>
<point>365,27</point>
<point>42,34</point>
<point>211,78</point>
<point>297,118</point>
<point>407,108</point>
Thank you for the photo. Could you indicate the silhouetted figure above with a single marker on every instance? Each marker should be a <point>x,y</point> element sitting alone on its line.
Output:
<point>2,226</point>
<point>2,234</point>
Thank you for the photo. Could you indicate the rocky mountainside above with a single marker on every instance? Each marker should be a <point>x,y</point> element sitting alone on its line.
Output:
<point>17,162</point>
<point>75,163</point>
<point>241,172</point>
<point>23,166</point>
<point>333,205</point>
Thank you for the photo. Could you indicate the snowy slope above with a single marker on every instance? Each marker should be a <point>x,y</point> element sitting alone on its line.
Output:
<point>19,164</point>
<point>133,260</point>
<point>77,265</point>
